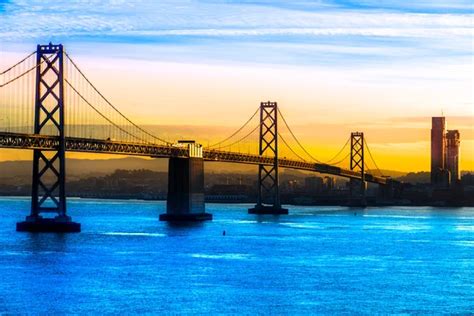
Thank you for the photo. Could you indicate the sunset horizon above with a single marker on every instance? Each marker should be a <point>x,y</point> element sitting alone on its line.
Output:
<point>333,68</point>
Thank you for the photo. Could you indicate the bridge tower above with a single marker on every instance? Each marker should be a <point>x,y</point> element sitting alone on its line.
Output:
<point>49,166</point>
<point>357,187</point>
<point>268,194</point>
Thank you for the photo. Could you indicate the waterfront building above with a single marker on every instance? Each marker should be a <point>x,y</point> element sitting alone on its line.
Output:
<point>313,184</point>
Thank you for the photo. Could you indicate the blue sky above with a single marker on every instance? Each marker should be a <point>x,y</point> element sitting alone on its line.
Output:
<point>341,32</point>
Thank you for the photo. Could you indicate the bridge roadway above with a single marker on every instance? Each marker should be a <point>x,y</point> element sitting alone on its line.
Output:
<point>32,141</point>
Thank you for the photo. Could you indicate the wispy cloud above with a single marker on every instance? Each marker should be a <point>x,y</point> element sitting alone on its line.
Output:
<point>304,32</point>
<point>35,18</point>
<point>385,32</point>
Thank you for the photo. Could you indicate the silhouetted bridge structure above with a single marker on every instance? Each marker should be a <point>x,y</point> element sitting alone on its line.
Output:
<point>49,106</point>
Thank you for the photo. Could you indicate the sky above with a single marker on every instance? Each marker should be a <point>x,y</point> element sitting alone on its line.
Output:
<point>199,69</point>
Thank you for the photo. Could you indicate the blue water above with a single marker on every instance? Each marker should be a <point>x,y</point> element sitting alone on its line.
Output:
<point>324,260</point>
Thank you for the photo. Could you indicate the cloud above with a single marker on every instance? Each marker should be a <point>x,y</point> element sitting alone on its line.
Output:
<point>34,18</point>
<point>441,6</point>
<point>304,32</point>
<point>365,34</point>
<point>385,32</point>
<point>419,5</point>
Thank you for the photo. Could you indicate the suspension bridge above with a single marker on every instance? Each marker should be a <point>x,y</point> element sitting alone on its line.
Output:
<point>48,105</point>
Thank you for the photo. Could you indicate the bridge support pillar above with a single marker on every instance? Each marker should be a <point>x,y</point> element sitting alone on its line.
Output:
<point>357,196</point>
<point>389,191</point>
<point>268,194</point>
<point>185,200</point>
<point>48,194</point>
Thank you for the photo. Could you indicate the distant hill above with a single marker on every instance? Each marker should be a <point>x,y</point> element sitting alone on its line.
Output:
<point>82,168</point>
<point>421,177</point>
<point>416,177</point>
<point>392,173</point>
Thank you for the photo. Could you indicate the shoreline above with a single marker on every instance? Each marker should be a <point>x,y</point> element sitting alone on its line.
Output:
<point>246,202</point>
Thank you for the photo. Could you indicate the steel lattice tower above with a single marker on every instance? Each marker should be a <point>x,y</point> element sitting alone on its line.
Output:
<point>268,194</point>
<point>48,193</point>
<point>357,158</point>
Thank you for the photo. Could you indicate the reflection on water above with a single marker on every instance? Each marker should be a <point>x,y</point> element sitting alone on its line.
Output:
<point>134,234</point>
<point>317,260</point>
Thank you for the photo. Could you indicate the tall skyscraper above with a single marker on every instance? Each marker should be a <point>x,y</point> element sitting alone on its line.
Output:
<point>438,149</point>
<point>452,154</point>
<point>444,154</point>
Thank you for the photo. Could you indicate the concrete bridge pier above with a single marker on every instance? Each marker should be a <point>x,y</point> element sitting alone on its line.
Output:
<point>389,191</point>
<point>185,200</point>
<point>357,196</point>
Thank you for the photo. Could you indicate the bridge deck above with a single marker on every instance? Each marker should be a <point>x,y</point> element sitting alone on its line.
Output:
<point>31,141</point>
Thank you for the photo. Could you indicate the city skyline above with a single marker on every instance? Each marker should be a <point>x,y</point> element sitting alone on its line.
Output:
<point>333,67</point>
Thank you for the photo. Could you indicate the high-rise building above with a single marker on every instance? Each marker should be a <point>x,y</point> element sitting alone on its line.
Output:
<point>444,154</point>
<point>452,154</point>
<point>438,150</point>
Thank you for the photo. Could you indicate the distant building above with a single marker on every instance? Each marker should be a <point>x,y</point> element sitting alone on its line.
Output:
<point>438,150</point>
<point>230,189</point>
<point>452,155</point>
<point>330,182</point>
<point>313,184</point>
<point>290,186</point>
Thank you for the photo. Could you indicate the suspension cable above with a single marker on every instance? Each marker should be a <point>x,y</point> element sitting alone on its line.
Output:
<point>17,77</point>
<point>296,139</point>
<point>20,75</point>
<point>368,168</point>
<point>236,132</point>
<point>111,105</point>
<point>371,157</point>
<point>340,151</point>
<point>242,138</point>
<point>338,162</point>
<point>98,112</point>
<point>289,147</point>
<point>7,70</point>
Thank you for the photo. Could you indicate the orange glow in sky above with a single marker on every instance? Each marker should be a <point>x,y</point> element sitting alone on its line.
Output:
<point>198,71</point>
